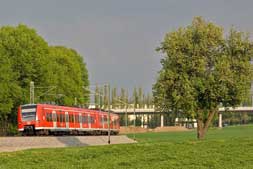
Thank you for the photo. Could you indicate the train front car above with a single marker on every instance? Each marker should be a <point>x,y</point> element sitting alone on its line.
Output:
<point>27,119</point>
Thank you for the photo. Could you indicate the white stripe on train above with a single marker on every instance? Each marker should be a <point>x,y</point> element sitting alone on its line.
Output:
<point>67,129</point>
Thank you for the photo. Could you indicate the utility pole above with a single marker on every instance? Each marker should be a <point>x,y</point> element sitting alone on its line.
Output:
<point>126,118</point>
<point>134,121</point>
<point>109,118</point>
<point>31,92</point>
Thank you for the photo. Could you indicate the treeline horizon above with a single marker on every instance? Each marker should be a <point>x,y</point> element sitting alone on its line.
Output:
<point>121,98</point>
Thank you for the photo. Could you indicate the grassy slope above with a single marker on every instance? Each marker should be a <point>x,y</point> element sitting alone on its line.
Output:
<point>231,147</point>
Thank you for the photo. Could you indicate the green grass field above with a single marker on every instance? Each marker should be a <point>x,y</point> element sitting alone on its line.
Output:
<point>230,147</point>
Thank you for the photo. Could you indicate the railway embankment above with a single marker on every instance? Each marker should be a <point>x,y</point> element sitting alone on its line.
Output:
<point>22,143</point>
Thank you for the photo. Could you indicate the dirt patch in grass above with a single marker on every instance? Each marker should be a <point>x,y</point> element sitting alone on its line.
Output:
<point>126,130</point>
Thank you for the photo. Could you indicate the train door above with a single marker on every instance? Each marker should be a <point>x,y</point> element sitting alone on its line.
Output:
<point>48,119</point>
<point>85,123</point>
<point>67,119</point>
<point>71,120</point>
<point>61,119</point>
<point>58,121</point>
<point>92,121</point>
<point>105,121</point>
<point>54,118</point>
<point>76,121</point>
<point>101,121</point>
<point>112,122</point>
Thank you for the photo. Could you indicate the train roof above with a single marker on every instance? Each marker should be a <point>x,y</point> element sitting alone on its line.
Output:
<point>66,107</point>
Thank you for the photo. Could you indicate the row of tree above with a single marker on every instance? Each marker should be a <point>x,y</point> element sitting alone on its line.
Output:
<point>59,73</point>
<point>121,99</point>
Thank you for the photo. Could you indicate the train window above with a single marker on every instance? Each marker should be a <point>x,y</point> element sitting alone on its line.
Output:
<point>71,118</point>
<point>49,117</point>
<point>91,119</point>
<point>62,118</point>
<point>114,122</point>
<point>54,117</point>
<point>28,112</point>
<point>58,117</point>
<point>84,119</point>
<point>105,120</point>
<point>88,119</point>
<point>80,119</point>
<point>77,119</point>
<point>101,119</point>
<point>67,117</point>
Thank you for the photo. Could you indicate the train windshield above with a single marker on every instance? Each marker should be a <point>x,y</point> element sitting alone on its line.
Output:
<point>28,112</point>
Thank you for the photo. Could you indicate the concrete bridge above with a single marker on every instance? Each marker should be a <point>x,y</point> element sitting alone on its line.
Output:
<point>147,111</point>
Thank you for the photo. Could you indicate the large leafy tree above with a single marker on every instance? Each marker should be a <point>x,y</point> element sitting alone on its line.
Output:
<point>24,57</point>
<point>123,98</point>
<point>69,75</point>
<point>9,90</point>
<point>201,70</point>
<point>27,53</point>
<point>136,98</point>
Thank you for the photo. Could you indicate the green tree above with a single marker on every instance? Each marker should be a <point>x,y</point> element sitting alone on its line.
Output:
<point>135,98</point>
<point>24,54</point>
<point>202,70</point>
<point>9,90</point>
<point>140,97</point>
<point>123,98</point>
<point>69,74</point>
<point>101,93</point>
<point>28,54</point>
<point>126,98</point>
<point>114,98</point>
<point>148,100</point>
<point>97,97</point>
<point>106,94</point>
<point>26,57</point>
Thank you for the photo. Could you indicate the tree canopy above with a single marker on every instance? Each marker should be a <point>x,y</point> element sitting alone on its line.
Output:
<point>203,69</point>
<point>24,57</point>
<point>69,74</point>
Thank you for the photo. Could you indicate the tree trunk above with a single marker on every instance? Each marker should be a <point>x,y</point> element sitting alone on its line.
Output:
<point>202,126</point>
<point>200,129</point>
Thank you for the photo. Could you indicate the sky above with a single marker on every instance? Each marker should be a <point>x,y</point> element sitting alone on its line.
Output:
<point>118,38</point>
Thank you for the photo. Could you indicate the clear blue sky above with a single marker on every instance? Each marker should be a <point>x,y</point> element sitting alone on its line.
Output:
<point>117,38</point>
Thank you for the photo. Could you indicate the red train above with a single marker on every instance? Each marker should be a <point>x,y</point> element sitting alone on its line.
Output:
<point>44,119</point>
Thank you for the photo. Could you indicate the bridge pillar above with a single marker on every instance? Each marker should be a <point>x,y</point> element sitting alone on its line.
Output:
<point>220,120</point>
<point>162,121</point>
